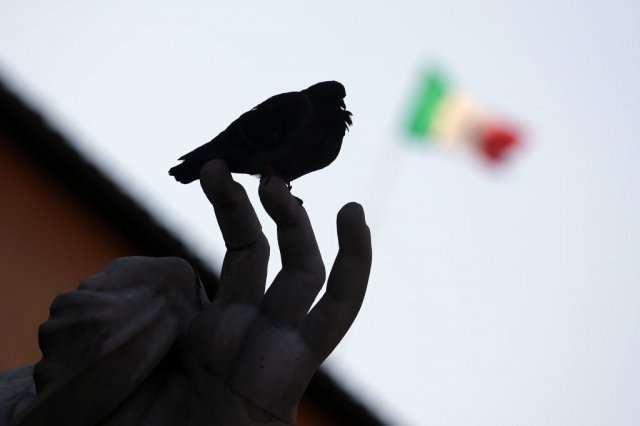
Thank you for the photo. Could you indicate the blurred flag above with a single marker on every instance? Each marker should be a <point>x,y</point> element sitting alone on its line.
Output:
<point>443,115</point>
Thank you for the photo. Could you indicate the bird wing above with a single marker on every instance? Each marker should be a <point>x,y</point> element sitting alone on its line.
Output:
<point>264,127</point>
<point>267,125</point>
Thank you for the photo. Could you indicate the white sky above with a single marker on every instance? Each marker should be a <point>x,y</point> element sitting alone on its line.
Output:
<point>505,297</point>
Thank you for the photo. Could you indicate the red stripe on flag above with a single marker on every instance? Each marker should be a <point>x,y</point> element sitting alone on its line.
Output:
<point>496,141</point>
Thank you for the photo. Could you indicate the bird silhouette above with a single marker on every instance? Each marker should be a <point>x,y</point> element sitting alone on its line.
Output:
<point>288,135</point>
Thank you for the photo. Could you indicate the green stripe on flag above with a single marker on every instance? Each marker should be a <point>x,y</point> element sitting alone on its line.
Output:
<point>432,92</point>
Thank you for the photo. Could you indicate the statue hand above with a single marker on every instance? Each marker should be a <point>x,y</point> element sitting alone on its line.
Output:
<point>261,347</point>
<point>139,343</point>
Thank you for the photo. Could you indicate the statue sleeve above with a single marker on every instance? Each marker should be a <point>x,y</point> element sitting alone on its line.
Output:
<point>102,341</point>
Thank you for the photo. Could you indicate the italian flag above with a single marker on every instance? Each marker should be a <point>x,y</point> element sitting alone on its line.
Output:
<point>452,118</point>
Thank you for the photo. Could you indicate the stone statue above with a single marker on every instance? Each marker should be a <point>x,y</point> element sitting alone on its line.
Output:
<point>141,344</point>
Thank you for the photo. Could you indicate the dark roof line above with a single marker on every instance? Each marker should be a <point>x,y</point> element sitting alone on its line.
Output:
<point>56,155</point>
<point>92,187</point>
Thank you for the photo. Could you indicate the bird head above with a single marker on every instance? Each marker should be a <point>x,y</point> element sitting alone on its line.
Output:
<point>328,98</point>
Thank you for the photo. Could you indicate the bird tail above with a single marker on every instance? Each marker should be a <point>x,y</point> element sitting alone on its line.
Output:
<point>186,172</point>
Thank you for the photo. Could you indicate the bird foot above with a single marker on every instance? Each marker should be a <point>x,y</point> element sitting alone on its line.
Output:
<point>289,188</point>
<point>264,180</point>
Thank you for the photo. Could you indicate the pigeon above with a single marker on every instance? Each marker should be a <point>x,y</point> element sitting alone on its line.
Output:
<point>288,135</point>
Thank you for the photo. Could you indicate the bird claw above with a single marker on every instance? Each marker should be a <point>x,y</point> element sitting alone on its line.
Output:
<point>264,180</point>
<point>289,188</point>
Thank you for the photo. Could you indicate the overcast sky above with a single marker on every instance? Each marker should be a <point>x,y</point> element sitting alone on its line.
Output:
<point>502,296</point>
